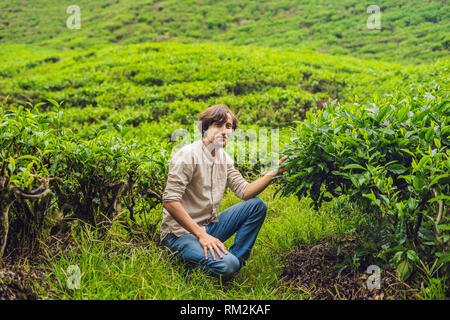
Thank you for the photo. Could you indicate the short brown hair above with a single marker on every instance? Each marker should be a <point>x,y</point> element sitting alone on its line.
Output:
<point>218,114</point>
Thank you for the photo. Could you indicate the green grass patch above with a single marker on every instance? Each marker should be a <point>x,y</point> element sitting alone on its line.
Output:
<point>119,268</point>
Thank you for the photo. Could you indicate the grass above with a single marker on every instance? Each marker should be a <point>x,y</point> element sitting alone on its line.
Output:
<point>119,268</point>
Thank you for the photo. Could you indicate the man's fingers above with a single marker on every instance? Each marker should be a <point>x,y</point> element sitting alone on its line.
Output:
<point>219,251</point>
<point>223,248</point>
<point>212,252</point>
<point>282,159</point>
<point>216,249</point>
<point>214,246</point>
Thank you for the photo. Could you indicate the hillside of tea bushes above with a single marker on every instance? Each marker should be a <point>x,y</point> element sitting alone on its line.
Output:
<point>88,123</point>
<point>178,79</point>
<point>410,31</point>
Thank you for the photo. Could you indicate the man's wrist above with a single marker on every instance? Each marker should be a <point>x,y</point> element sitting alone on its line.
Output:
<point>273,170</point>
<point>272,174</point>
<point>200,232</point>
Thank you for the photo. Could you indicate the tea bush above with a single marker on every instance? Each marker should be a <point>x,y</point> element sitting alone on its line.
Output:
<point>49,173</point>
<point>391,157</point>
<point>25,196</point>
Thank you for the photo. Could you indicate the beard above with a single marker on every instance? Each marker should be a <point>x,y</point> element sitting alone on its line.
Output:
<point>217,141</point>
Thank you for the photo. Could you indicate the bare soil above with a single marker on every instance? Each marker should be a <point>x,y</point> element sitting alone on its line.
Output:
<point>18,282</point>
<point>22,276</point>
<point>316,270</point>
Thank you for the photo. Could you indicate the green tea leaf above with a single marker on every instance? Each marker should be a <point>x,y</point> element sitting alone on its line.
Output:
<point>353,166</point>
<point>418,183</point>
<point>440,179</point>
<point>404,270</point>
<point>397,168</point>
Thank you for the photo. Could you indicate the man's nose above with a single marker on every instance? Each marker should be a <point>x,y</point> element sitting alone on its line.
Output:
<point>223,130</point>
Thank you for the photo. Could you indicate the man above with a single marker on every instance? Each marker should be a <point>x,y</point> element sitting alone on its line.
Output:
<point>198,176</point>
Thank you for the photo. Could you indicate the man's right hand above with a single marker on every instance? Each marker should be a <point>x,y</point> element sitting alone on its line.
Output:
<point>212,244</point>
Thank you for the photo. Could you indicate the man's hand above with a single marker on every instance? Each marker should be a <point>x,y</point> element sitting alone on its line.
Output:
<point>212,244</point>
<point>282,169</point>
<point>259,185</point>
<point>279,170</point>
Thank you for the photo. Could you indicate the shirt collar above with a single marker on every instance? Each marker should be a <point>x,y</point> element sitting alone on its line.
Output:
<point>208,155</point>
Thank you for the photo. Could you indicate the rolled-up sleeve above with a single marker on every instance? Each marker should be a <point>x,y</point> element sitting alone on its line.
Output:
<point>180,174</point>
<point>236,182</point>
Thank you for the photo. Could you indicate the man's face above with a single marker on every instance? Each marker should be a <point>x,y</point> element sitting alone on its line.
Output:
<point>219,134</point>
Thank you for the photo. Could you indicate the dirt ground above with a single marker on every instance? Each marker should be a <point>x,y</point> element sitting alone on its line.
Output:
<point>17,283</point>
<point>316,270</point>
<point>20,281</point>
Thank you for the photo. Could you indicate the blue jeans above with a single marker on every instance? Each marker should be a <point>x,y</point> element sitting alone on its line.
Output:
<point>245,219</point>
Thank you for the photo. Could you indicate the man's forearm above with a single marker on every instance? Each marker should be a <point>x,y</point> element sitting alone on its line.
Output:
<point>182,217</point>
<point>259,185</point>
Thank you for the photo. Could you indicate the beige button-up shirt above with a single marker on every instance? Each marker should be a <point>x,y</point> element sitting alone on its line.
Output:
<point>198,180</point>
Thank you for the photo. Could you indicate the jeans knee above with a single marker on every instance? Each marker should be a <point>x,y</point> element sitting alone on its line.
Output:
<point>228,265</point>
<point>262,206</point>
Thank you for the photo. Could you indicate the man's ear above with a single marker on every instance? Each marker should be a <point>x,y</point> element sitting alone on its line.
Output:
<point>202,129</point>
